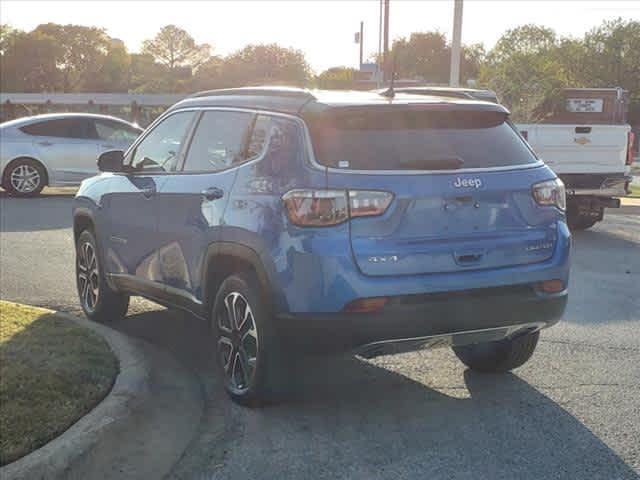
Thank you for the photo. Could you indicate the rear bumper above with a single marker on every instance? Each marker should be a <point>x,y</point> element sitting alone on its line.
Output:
<point>415,321</point>
<point>612,185</point>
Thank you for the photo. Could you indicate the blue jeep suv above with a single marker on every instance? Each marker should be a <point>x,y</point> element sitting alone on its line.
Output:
<point>295,220</point>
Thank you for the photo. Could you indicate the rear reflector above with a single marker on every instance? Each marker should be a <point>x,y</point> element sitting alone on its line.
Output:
<point>551,286</point>
<point>366,305</point>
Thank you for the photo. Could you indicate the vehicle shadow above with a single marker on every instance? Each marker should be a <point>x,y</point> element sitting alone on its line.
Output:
<point>605,262</point>
<point>35,214</point>
<point>348,417</point>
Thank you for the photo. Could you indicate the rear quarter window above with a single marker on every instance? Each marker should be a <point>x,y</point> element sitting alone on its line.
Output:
<point>61,128</point>
<point>417,140</point>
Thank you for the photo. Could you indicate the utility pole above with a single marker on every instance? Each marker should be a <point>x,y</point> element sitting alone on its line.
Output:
<point>454,78</point>
<point>361,41</point>
<point>386,64</point>
<point>379,62</point>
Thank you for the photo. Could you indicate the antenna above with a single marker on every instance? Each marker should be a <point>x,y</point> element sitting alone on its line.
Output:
<point>390,92</point>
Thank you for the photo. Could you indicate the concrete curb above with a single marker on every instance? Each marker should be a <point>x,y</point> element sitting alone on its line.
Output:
<point>139,430</point>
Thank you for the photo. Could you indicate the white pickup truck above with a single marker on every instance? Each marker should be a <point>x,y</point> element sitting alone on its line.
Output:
<point>593,161</point>
<point>588,145</point>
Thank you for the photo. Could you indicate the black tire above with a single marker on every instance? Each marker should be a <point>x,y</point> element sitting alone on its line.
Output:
<point>236,349</point>
<point>500,356</point>
<point>99,302</point>
<point>33,173</point>
<point>581,223</point>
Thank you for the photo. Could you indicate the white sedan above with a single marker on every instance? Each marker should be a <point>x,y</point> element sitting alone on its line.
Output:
<point>57,149</point>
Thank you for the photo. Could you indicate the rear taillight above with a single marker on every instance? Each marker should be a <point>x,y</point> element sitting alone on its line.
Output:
<point>368,203</point>
<point>323,208</point>
<point>550,193</point>
<point>632,137</point>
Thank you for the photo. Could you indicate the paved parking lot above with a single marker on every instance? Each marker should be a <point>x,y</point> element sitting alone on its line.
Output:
<point>572,412</point>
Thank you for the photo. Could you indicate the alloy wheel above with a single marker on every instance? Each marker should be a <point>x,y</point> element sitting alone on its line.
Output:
<point>88,276</point>
<point>237,342</point>
<point>25,178</point>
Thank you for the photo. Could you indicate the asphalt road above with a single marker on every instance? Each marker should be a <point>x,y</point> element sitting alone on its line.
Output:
<point>572,412</point>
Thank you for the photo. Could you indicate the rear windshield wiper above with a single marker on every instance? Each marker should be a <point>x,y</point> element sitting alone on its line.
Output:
<point>445,163</point>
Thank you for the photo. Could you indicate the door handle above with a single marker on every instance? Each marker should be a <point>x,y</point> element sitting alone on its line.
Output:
<point>212,193</point>
<point>45,144</point>
<point>108,146</point>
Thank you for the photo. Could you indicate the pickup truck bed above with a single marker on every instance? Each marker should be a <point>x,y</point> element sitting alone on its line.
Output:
<point>592,161</point>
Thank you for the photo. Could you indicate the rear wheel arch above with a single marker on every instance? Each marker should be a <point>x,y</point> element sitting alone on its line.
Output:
<point>82,221</point>
<point>9,165</point>
<point>224,259</point>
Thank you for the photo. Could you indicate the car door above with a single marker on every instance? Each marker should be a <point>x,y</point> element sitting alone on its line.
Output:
<point>66,147</point>
<point>192,203</point>
<point>111,134</point>
<point>132,207</point>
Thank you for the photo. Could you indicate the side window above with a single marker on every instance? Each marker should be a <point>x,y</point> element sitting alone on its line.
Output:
<point>61,128</point>
<point>79,128</point>
<point>258,136</point>
<point>279,140</point>
<point>218,142</point>
<point>159,150</point>
<point>113,131</point>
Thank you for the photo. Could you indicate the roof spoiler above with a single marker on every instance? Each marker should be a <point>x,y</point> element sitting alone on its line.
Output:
<point>292,92</point>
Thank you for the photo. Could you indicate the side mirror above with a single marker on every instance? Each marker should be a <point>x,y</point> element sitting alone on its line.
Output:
<point>111,161</point>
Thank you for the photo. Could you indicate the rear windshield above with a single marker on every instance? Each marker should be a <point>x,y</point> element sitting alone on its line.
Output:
<point>417,140</point>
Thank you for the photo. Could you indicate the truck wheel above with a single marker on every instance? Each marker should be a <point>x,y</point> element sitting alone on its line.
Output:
<point>246,345</point>
<point>580,222</point>
<point>500,356</point>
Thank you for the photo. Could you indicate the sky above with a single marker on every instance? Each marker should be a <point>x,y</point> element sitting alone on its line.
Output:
<point>322,29</point>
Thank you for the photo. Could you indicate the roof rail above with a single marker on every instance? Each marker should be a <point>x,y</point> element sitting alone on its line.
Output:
<point>259,91</point>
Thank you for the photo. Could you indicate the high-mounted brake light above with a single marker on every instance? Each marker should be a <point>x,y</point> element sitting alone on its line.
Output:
<point>322,208</point>
<point>632,137</point>
<point>550,193</point>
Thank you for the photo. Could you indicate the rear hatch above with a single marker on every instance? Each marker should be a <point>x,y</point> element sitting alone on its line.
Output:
<point>461,182</point>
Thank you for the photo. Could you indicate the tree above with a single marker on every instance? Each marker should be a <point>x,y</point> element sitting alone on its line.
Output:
<point>471,60</point>
<point>530,66</point>
<point>209,75</point>
<point>524,40</point>
<point>147,76</point>
<point>7,34</point>
<point>258,64</point>
<point>427,56</point>
<point>174,47</point>
<point>28,62</point>
<point>424,55</point>
<point>113,75</point>
<point>81,51</point>
<point>336,78</point>
<point>525,70</point>
<point>612,55</point>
